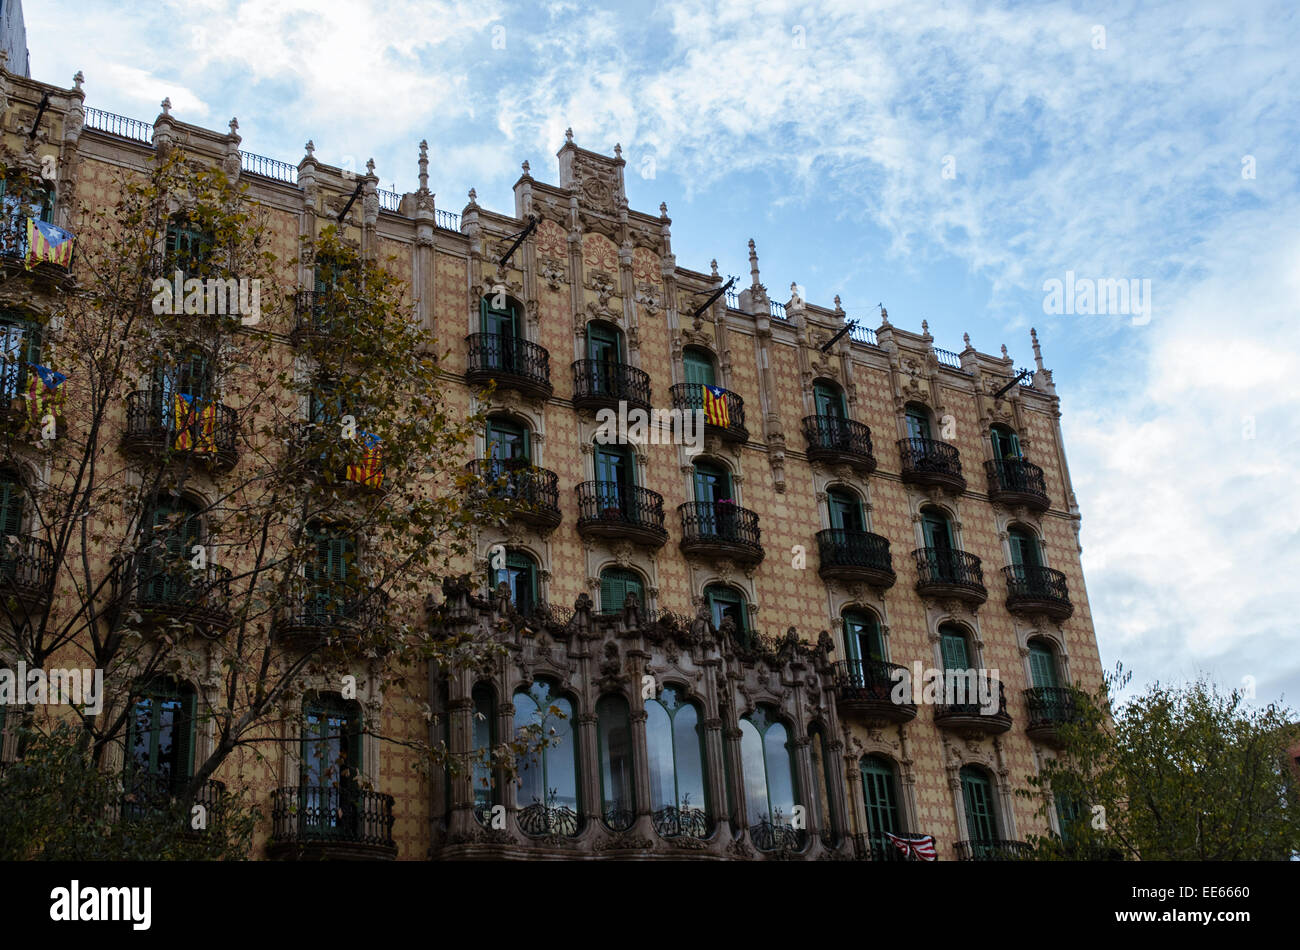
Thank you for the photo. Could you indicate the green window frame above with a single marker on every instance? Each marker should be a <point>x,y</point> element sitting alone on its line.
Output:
<point>981,811</point>
<point>880,795</point>
<point>936,528</point>
<point>954,648</point>
<point>329,770</point>
<point>187,248</point>
<point>604,343</point>
<point>845,510</point>
<point>678,766</point>
<point>1042,665</point>
<point>1006,444</point>
<point>175,529</point>
<point>918,421</point>
<point>20,346</point>
<point>726,601</point>
<point>615,584</point>
<point>698,367</point>
<point>614,746</point>
<point>548,776</point>
<point>771,790</point>
<point>504,321</point>
<point>520,575</point>
<point>1025,551</point>
<point>484,725</point>
<point>507,440</point>
<point>862,636</point>
<point>712,483</point>
<point>329,570</point>
<point>12,502</point>
<point>828,400</point>
<point>160,738</point>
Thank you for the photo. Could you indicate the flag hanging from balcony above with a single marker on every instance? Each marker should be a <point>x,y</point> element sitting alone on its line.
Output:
<point>45,393</point>
<point>47,244</point>
<point>195,426</point>
<point>715,406</point>
<point>916,847</point>
<point>370,472</point>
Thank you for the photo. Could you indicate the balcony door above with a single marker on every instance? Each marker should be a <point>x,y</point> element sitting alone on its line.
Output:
<point>862,639</point>
<point>952,646</point>
<point>1042,666</point>
<point>327,574</point>
<point>846,512</point>
<point>937,530</point>
<point>11,525</point>
<point>1025,552</point>
<point>977,796</point>
<point>504,329</point>
<point>329,787</point>
<point>20,346</point>
<point>174,532</point>
<point>179,390</point>
<point>714,510</point>
<point>615,585</point>
<point>879,793</point>
<point>1006,444</point>
<point>508,450</point>
<point>614,478</point>
<point>520,576</point>
<point>605,350</point>
<point>918,423</point>
<point>699,369</point>
<point>160,742</point>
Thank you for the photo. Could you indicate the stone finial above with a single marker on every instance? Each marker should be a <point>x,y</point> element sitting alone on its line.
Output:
<point>525,167</point>
<point>166,106</point>
<point>473,197</point>
<point>884,316</point>
<point>1038,352</point>
<point>618,150</point>
<point>925,329</point>
<point>234,125</point>
<point>370,166</point>
<point>838,308</point>
<point>77,80</point>
<point>714,265</point>
<point>965,338</point>
<point>753,266</point>
<point>568,135</point>
<point>663,209</point>
<point>310,148</point>
<point>1004,352</point>
<point>424,165</point>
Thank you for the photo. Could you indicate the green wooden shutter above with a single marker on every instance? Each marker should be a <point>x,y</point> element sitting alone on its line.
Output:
<point>828,401</point>
<point>11,509</point>
<point>937,531</point>
<point>1024,548</point>
<point>862,640</point>
<point>699,368</point>
<point>977,795</point>
<point>918,424</point>
<point>615,585</point>
<point>878,795</point>
<point>1042,666</point>
<point>953,646</point>
<point>845,511</point>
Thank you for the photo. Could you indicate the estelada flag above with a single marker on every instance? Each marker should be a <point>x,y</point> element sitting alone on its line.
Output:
<point>194,427</point>
<point>371,470</point>
<point>715,406</point>
<point>47,243</point>
<point>45,392</point>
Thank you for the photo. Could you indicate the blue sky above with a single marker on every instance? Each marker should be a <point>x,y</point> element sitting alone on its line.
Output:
<point>1114,140</point>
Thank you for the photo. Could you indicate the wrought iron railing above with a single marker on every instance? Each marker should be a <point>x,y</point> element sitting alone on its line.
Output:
<point>447,220</point>
<point>733,299</point>
<point>26,564</point>
<point>1015,475</point>
<point>970,682</point>
<point>536,488</point>
<point>929,457</point>
<point>777,310</point>
<point>324,607</point>
<point>842,547</point>
<point>167,421</point>
<point>268,167</point>
<point>1036,583</point>
<point>13,236</point>
<point>948,358</point>
<point>617,816</point>
<point>836,434</point>
<point>614,502</point>
<point>769,835</point>
<point>149,793</point>
<point>867,680</point>
<point>684,822</point>
<point>948,566</point>
<point>994,849</point>
<point>1049,706</point>
<point>169,582</point>
<point>542,820</point>
<point>118,125</point>
<point>616,382</point>
<point>720,521</point>
<point>496,354</point>
<point>306,814</point>
<point>389,200</point>
<point>864,334</point>
<point>689,397</point>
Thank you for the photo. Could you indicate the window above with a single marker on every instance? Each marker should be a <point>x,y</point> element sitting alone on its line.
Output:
<point>823,762</point>
<point>615,474</point>
<point>698,366</point>
<point>981,816</point>
<point>1069,811</point>
<point>503,328</point>
<point>615,585</point>
<point>727,602</point>
<point>604,343</point>
<point>845,510</point>
<point>329,770</point>
<point>507,440</point>
<point>548,776</point>
<point>160,744</point>
<point>11,525</point>
<point>1006,444</point>
<point>918,421</point>
<point>769,778</point>
<point>173,530</point>
<point>829,400</point>
<point>953,646</point>
<point>329,571</point>
<point>714,514</point>
<point>1042,665</point>
<point>484,740</point>
<point>520,574</point>
<point>1025,551</point>
<point>675,751</point>
<point>20,347</point>
<point>880,794</point>
<point>862,638</point>
<point>936,528</point>
<point>180,386</point>
<point>325,405</point>
<point>712,483</point>
<point>186,247</point>
<point>614,741</point>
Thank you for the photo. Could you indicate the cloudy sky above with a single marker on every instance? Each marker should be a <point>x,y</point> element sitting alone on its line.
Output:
<point>945,158</point>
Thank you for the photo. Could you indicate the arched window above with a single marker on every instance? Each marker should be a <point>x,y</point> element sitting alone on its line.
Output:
<point>615,474</point>
<point>614,742</point>
<point>329,571</point>
<point>187,247</point>
<point>675,750</point>
<point>615,584</point>
<point>714,513</point>
<point>483,697</point>
<point>823,762</point>
<point>981,811</point>
<point>160,742</point>
<point>1025,552</point>
<point>917,417</point>
<point>548,775</point>
<point>698,366</point>
<point>20,348</point>
<point>1042,665</point>
<point>769,780</point>
<point>507,440</point>
<point>726,602</point>
<point>180,387</point>
<point>880,795</point>
<point>329,770</point>
<point>936,528</point>
<point>955,648</point>
<point>12,502</point>
<point>172,531</point>
<point>828,399</point>
<point>520,573</point>
<point>845,510</point>
<point>604,342</point>
<point>863,641</point>
<point>712,483</point>
<point>502,325</point>
<point>1006,444</point>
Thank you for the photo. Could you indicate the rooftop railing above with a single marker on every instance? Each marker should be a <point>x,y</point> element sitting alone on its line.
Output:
<point>119,125</point>
<point>268,167</point>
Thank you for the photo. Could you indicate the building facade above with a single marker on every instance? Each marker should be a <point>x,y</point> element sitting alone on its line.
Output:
<point>711,632</point>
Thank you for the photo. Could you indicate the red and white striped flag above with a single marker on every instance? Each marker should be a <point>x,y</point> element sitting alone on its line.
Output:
<point>918,847</point>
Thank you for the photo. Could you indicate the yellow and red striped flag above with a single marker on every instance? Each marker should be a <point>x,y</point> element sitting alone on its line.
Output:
<point>47,244</point>
<point>370,472</point>
<point>715,406</point>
